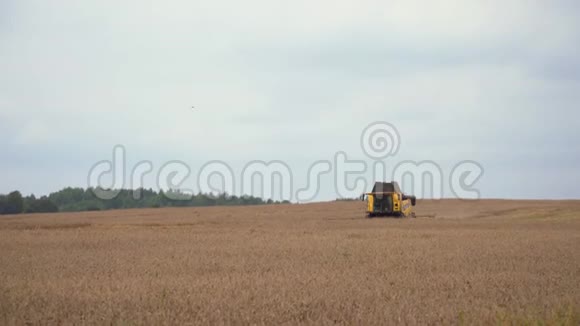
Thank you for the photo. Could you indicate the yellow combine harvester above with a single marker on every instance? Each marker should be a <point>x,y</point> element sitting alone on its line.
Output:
<point>387,199</point>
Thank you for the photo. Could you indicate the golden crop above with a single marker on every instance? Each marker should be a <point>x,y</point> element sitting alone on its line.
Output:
<point>459,262</point>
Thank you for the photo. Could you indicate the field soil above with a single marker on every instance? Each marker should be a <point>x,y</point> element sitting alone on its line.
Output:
<point>458,262</point>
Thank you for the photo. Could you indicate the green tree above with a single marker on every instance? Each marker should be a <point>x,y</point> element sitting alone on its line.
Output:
<point>13,203</point>
<point>42,205</point>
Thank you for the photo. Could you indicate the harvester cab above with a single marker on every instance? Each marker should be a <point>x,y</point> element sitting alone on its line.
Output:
<point>387,199</point>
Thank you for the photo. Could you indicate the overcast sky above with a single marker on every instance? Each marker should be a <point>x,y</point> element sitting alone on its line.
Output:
<point>497,82</point>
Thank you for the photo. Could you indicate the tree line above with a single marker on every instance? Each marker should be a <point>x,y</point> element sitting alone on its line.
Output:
<point>80,199</point>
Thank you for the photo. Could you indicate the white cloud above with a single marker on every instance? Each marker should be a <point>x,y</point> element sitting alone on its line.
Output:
<point>295,80</point>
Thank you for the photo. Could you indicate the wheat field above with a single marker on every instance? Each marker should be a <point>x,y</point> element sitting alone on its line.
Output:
<point>458,262</point>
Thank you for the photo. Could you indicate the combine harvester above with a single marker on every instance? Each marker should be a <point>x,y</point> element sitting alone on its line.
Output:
<point>387,199</point>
